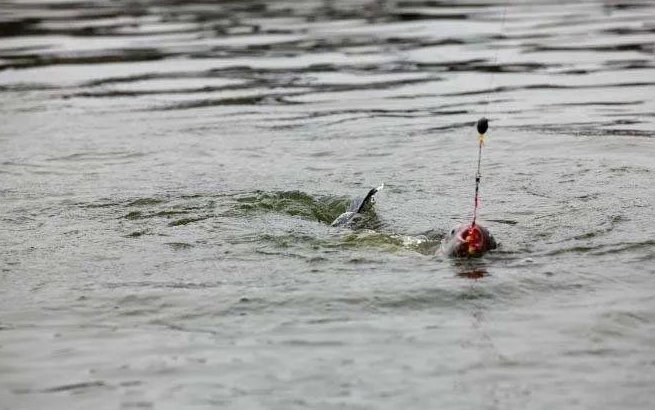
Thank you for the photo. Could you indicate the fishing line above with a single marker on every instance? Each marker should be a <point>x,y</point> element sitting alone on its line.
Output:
<point>495,60</point>
<point>483,123</point>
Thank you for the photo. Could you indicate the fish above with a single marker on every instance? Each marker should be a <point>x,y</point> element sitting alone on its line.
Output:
<point>356,208</point>
<point>468,241</point>
<point>464,241</point>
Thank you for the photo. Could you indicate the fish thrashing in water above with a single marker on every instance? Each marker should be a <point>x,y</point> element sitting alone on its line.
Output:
<point>471,240</point>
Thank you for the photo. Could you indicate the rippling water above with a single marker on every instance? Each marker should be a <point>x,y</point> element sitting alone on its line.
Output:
<point>169,170</point>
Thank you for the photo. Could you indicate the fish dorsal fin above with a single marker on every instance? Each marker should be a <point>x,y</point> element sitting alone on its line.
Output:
<point>360,203</point>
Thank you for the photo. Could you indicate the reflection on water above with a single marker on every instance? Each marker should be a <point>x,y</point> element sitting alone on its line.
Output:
<point>478,273</point>
<point>169,171</point>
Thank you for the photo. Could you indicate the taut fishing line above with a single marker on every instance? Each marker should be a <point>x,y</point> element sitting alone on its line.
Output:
<point>495,60</point>
<point>483,123</point>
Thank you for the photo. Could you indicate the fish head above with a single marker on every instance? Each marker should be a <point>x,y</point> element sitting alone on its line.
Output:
<point>469,241</point>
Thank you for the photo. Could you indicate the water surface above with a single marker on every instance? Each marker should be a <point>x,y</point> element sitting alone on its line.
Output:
<point>169,169</point>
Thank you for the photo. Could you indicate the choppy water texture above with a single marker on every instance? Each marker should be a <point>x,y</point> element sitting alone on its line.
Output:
<point>169,170</point>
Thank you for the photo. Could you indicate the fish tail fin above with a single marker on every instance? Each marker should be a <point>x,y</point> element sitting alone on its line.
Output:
<point>369,199</point>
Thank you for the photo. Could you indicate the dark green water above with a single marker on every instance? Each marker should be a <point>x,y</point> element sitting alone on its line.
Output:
<point>169,170</point>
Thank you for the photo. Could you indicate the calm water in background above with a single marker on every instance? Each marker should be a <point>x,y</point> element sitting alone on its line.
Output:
<point>168,170</point>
